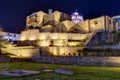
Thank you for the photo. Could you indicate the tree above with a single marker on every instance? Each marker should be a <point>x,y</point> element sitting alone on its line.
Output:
<point>117,36</point>
<point>79,51</point>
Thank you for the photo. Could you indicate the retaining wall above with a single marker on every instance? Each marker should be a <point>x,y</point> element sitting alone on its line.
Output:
<point>76,60</point>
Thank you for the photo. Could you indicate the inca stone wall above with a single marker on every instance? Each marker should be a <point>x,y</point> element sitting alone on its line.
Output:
<point>35,35</point>
<point>20,52</point>
<point>76,60</point>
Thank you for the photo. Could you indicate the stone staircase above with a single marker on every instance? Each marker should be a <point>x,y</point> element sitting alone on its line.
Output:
<point>90,36</point>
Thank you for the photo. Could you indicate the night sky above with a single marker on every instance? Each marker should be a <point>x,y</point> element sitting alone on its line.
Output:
<point>13,12</point>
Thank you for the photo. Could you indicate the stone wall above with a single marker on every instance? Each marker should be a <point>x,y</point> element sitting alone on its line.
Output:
<point>64,51</point>
<point>4,59</point>
<point>41,18</point>
<point>60,39</point>
<point>31,51</point>
<point>35,35</point>
<point>103,23</point>
<point>20,52</point>
<point>97,24</point>
<point>86,61</point>
<point>85,25</point>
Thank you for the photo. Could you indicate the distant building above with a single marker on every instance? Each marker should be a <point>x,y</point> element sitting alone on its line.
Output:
<point>76,17</point>
<point>50,11</point>
<point>9,36</point>
<point>117,18</point>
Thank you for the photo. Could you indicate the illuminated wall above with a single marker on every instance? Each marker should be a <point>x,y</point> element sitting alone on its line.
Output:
<point>97,24</point>
<point>85,26</point>
<point>64,51</point>
<point>103,23</point>
<point>59,39</point>
<point>35,19</point>
<point>58,30</point>
<point>20,52</point>
<point>29,35</point>
<point>40,18</point>
<point>35,35</point>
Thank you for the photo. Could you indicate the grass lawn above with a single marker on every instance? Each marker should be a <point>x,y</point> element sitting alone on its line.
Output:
<point>81,72</point>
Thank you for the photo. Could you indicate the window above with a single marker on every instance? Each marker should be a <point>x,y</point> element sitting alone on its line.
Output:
<point>95,22</point>
<point>110,21</point>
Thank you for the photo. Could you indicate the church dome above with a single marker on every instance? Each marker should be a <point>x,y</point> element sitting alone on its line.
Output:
<point>76,17</point>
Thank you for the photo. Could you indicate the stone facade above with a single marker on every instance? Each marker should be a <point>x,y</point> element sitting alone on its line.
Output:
<point>57,30</point>
<point>76,60</point>
<point>20,52</point>
<point>58,39</point>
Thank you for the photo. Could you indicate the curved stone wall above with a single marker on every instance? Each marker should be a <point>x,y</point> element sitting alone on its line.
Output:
<point>35,35</point>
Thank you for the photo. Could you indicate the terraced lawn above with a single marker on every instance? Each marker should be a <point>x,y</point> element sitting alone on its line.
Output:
<point>81,72</point>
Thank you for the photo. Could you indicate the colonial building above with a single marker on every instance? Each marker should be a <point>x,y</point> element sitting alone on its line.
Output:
<point>104,28</point>
<point>57,33</point>
<point>76,17</point>
<point>7,36</point>
<point>117,18</point>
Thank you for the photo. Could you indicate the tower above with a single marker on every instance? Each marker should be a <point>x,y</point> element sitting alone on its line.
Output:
<point>50,11</point>
<point>76,17</point>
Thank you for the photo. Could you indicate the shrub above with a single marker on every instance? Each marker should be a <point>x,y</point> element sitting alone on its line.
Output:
<point>108,50</point>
